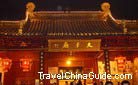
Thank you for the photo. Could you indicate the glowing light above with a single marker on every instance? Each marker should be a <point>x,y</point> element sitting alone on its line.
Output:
<point>121,62</point>
<point>68,62</point>
<point>6,63</point>
<point>26,64</point>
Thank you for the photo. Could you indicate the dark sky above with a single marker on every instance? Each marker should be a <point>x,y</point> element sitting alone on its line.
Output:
<point>121,9</point>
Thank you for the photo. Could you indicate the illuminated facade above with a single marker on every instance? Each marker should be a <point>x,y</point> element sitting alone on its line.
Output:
<point>67,41</point>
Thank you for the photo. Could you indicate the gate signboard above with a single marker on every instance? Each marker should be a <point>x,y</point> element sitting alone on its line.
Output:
<point>74,45</point>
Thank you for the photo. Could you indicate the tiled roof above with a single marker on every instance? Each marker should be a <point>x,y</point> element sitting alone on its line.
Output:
<point>132,26</point>
<point>66,24</point>
<point>70,24</point>
<point>9,27</point>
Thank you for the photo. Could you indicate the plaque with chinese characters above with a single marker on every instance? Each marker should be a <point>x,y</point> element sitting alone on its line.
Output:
<point>74,45</point>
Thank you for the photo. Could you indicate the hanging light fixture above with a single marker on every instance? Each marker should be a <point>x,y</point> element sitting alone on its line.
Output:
<point>121,61</point>
<point>6,63</point>
<point>26,64</point>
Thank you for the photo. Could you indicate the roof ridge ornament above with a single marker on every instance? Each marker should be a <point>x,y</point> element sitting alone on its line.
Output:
<point>30,6</point>
<point>106,11</point>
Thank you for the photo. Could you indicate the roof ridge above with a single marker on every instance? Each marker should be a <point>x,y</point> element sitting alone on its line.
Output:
<point>66,12</point>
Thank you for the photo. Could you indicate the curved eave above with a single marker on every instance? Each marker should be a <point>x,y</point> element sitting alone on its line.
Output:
<point>70,24</point>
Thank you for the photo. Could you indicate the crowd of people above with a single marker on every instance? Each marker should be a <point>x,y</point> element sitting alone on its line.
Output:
<point>125,82</point>
<point>75,82</point>
<point>79,82</point>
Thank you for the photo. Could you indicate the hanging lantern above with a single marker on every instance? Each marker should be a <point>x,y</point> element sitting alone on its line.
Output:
<point>121,61</point>
<point>6,63</point>
<point>26,64</point>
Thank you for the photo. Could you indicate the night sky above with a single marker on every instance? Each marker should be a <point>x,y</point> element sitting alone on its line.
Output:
<point>121,9</point>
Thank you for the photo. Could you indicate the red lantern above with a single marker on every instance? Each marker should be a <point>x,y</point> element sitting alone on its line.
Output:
<point>6,63</point>
<point>26,64</point>
<point>121,61</point>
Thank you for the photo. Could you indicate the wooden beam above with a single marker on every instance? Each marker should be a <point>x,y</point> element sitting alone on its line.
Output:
<point>120,48</point>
